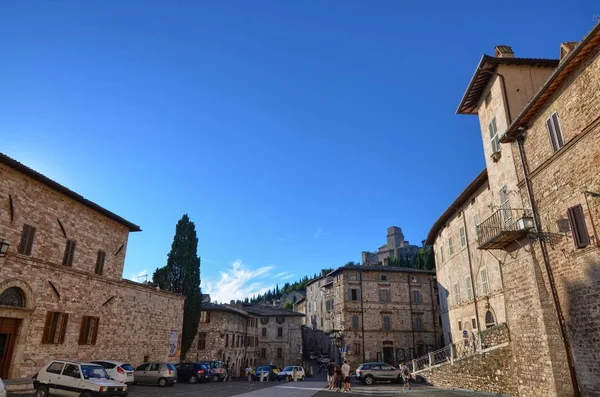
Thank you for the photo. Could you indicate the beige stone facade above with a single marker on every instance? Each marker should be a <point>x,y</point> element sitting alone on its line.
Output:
<point>375,313</point>
<point>79,310</point>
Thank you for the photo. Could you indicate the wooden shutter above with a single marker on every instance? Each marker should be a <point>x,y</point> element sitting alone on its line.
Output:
<point>581,236</point>
<point>47,327</point>
<point>63,327</point>
<point>95,323</point>
<point>69,252</point>
<point>27,237</point>
<point>100,262</point>
<point>82,330</point>
<point>553,127</point>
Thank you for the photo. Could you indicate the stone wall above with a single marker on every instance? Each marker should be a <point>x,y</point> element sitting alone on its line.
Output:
<point>494,336</point>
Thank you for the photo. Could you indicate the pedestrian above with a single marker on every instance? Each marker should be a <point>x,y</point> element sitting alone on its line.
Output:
<point>249,372</point>
<point>331,374</point>
<point>346,376</point>
<point>405,375</point>
<point>338,378</point>
<point>294,372</point>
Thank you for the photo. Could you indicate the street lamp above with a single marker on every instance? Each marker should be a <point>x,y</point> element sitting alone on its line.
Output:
<point>3,248</point>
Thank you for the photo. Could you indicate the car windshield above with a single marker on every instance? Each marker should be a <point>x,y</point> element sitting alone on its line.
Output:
<point>94,371</point>
<point>264,368</point>
<point>127,367</point>
<point>289,368</point>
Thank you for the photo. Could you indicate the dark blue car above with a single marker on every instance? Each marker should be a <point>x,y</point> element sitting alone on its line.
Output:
<point>193,372</point>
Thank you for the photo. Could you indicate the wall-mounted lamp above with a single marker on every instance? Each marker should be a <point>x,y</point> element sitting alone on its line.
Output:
<point>3,248</point>
<point>525,222</point>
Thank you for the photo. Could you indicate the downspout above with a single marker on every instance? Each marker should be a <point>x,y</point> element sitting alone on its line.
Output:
<point>472,278</point>
<point>504,97</point>
<point>362,315</point>
<point>412,325</point>
<point>433,281</point>
<point>545,257</point>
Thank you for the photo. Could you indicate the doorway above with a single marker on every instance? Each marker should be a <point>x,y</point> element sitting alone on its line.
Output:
<point>388,354</point>
<point>8,335</point>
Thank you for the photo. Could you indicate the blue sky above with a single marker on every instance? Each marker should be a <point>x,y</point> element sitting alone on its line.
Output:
<point>293,133</point>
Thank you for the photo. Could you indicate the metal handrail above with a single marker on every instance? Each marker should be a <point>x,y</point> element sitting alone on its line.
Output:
<point>502,220</point>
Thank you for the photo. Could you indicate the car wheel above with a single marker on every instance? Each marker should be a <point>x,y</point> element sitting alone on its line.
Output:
<point>302,379</point>
<point>369,380</point>
<point>162,382</point>
<point>215,378</point>
<point>193,379</point>
<point>42,392</point>
<point>288,378</point>
<point>85,394</point>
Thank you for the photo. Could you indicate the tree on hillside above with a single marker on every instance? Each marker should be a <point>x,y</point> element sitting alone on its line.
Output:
<point>181,275</point>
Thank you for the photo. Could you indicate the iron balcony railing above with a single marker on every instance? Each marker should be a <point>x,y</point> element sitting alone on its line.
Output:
<point>504,227</point>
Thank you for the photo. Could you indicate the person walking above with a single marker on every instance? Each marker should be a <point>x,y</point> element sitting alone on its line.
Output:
<point>405,376</point>
<point>346,376</point>
<point>249,373</point>
<point>331,374</point>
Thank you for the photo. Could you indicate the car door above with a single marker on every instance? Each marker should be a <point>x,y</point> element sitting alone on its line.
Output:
<point>52,376</point>
<point>140,373</point>
<point>388,372</point>
<point>71,381</point>
<point>153,373</point>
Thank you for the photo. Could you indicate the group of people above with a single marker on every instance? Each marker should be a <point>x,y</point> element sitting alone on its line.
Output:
<point>338,377</point>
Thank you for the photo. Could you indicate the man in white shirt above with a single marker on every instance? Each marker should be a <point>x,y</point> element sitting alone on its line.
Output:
<point>346,376</point>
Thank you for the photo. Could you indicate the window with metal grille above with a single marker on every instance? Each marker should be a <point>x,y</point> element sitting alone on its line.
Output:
<point>494,136</point>
<point>354,276</point>
<point>386,322</point>
<point>355,321</point>
<point>469,288</point>
<point>69,252</point>
<point>416,296</point>
<point>279,352</point>
<point>385,295</point>
<point>581,237</point>
<point>100,262</point>
<point>27,236</point>
<point>280,332</point>
<point>556,137</point>
<point>55,327</point>
<point>473,323</point>
<point>442,252</point>
<point>484,282</point>
<point>89,330</point>
<point>202,341</point>
<point>463,237</point>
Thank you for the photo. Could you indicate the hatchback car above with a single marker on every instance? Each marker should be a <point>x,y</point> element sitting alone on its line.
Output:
<point>269,371</point>
<point>117,370</point>
<point>288,372</point>
<point>369,373</point>
<point>157,373</point>
<point>218,370</point>
<point>193,372</point>
<point>77,379</point>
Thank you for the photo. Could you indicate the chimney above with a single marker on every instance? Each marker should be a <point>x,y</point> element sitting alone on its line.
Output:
<point>566,48</point>
<point>504,51</point>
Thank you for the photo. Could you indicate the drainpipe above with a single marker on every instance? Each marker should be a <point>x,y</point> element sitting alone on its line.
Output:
<point>538,227</point>
<point>432,281</point>
<point>412,325</point>
<point>362,315</point>
<point>472,280</point>
<point>504,97</point>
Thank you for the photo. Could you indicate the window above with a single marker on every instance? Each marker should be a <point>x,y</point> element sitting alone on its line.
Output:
<point>279,352</point>
<point>555,132</point>
<point>356,348</point>
<point>279,319</point>
<point>383,277</point>
<point>484,282</point>
<point>69,252</point>
<point>237,341</point>
<point>205,317</point>
<point>355,321</point>
<point>329,305</point>
<point>385,295</point>
<point>414,279</point>
<point>265,320</point>
<point>488,98</point>
<point>55,368</point>
<point>202,341</point>
<point>469,288</point>
<point>280,332</point>
<point>450,247</point>
<point>263,352</point>
<point>55,327</point>
<point>264,332</point>
<point>354,294</point>
<point>463,237</point>
<point>88,330</point>
<point>581,237</point>
<point>459,325</point>
<point>418,322</point>
<point>476,224</point>
<point>226,340</point>
<point>26,240</point>
<point>72,371</point>
<point>354,276</point>
<point>416,296</point>
<point>100,262</point>
<point>386,322</point>
<point>494,136</point>
<point>243,340</point>
<point>489,319</point>
<point>456,294</point>
<point>321,322</point>
<point>473,323</point>
<point>442,252</point>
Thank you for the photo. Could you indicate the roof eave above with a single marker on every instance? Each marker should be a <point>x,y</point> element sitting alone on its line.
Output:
<point>461,109</point>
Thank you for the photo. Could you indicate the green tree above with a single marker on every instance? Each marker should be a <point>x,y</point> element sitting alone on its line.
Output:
<point>181,275</point>
<point>288,305</point>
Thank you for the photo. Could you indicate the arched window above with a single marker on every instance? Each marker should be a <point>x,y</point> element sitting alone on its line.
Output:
<point>489,319</point>
<point>12,296</point>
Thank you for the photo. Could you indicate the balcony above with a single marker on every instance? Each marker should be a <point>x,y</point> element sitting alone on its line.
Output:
<point>504,227</point>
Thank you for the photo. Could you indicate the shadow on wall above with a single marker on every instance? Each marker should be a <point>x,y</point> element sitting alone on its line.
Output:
<point>582,315</point>
<point>446,335</point>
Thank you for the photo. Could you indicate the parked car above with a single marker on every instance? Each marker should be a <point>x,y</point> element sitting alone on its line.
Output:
<point>270,372</point>
<point>369,373</point>
<point>312,355</point>
<point>162,374</point>
<point>77,379</point>
<point>2,389</point>
<point>193,372</point>
<point>117,370</point>
<point>287,372</point>
<point>323,359</point>
<point>218,369</point>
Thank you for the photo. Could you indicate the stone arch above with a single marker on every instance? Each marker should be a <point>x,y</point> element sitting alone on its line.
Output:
<point>16,286</point>
<point>490,318</point>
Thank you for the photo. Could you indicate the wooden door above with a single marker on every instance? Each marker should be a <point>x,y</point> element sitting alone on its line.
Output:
<point>8,335</point>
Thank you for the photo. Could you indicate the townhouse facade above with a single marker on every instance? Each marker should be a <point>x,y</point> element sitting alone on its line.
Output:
<point>375,313</point>
<point>61,287</point>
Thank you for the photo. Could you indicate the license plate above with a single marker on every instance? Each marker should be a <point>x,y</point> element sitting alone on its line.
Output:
<point>129,373</point>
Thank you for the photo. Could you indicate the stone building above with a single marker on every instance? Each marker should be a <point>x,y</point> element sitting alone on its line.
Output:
<point>396,247</point>
<point>61,291</point>
<point>300,307</point>
<point>471,290</point>
<point>248,334</point>
<point>373,313</point>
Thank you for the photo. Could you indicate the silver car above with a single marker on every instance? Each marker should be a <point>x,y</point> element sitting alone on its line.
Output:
<point>369,373</point>
<point>156,373</point>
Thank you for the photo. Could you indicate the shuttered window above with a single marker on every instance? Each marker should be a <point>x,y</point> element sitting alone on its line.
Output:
<point>386,323</point>
<point>69,252</point>
<point>89,330</point>
<point>484,282</point>
<point>494,136</point>
<point>279,332</point>
<point>205,317</point>
<point>463,237</point>
<point>100,262</point>
<point>555,132</point>
<point>469,289</point>
<point>450,247</point>
<point>201,340</point>
<point>27,237</point>
<point>354,294</point>
<point>416,296</point>
<point>581,236</point>
<point>385,295</point>
<point>55,327</point>
<point>279,352</point>
<point>355,321</point>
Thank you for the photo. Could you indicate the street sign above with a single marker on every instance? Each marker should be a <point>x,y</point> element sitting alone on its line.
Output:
<point>465,332</point>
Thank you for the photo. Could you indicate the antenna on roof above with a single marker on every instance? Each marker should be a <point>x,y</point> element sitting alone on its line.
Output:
<point>144,276</point>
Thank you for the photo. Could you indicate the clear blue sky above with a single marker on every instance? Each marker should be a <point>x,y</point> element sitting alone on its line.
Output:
<point>293,133</point>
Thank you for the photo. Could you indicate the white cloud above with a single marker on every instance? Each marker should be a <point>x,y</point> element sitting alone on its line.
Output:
<point>238,282</point>
<point>284,275</point>
<point>320,233</point>
<point>140,277</point>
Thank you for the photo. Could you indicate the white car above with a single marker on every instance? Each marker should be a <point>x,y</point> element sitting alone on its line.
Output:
<point>288,372</point>
<point>2,389</point>
<point>76,379</point>
<point>117,370</point>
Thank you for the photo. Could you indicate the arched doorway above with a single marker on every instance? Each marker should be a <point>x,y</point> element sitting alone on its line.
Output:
<point>490,321</point>
<point>12,297</point>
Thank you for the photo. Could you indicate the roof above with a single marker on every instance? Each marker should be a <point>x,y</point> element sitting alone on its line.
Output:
<point>381,268</point>
<point>14,164</point>
<point>456,204</point>
<point>216,307</point>
<point>480,79</point>
<point>270,311</point>
<point>313,280</point>
<point>300,300</point>
<point>574,59</point>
